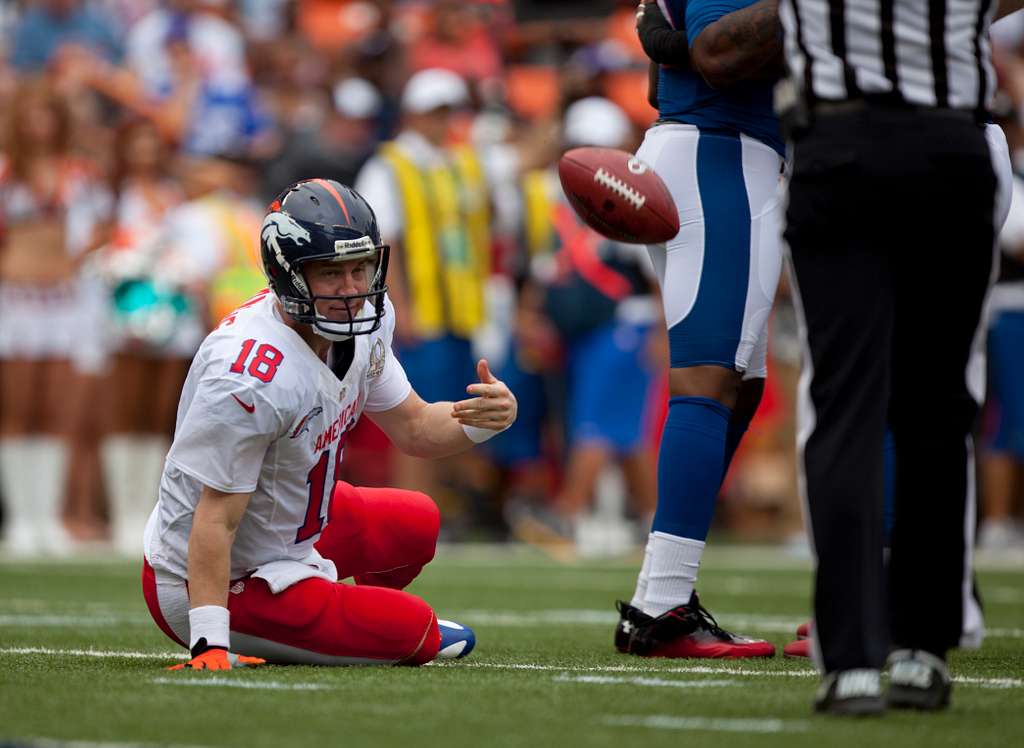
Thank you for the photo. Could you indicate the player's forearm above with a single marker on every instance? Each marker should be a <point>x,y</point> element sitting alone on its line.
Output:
<point>209,564</point>
<point>739,46</point>
<point>214,524</point>
<point>441,429</point>
<point>435,433</point>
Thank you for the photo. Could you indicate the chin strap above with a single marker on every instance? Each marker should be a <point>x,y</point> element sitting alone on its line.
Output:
<point>334,337</point>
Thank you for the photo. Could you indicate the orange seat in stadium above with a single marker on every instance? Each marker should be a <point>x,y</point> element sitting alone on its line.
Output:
<point>532,90</point>
<point>331,24</point>
<point>628,89</point>
<point>622,29</point>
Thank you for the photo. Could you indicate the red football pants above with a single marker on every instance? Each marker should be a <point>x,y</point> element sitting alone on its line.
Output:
<point>382,537</point>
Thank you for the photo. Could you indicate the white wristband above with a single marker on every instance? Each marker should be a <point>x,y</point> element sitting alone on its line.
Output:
<point>478,435</point>
<point>210,622</point>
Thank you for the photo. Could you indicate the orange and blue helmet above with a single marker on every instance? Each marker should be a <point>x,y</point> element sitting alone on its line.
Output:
<point>321,219</point>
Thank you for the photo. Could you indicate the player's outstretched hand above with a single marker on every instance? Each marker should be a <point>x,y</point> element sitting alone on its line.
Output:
<point>493,406</point>
<point>217,658</point>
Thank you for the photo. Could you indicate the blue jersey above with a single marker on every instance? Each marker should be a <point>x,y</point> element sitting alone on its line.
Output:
<point>683,96</point>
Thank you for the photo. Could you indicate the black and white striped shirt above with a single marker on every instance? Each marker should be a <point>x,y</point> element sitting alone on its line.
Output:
<point>933,53</point>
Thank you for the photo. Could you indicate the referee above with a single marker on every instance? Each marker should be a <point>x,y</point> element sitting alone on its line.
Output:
<point>890,225</point>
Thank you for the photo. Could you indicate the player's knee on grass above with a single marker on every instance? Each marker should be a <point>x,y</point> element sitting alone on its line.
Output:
<point>393,621</point>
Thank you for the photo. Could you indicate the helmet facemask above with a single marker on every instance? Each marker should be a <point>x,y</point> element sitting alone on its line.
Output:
<point>365,310</point>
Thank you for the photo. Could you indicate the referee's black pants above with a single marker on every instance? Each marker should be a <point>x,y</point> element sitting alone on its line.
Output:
<point>890,229</point>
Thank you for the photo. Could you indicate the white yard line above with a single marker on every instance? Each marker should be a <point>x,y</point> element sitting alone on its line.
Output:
<point>73,620</point>
<point>687,670</point>
<point>989,682</point>
<point>1005,633</point>
<point>615,680</point>
<point>179,655</point>
<point>707,724</point>
<point>52,743</point>
<point>217,680</point>
<point>999,683</point>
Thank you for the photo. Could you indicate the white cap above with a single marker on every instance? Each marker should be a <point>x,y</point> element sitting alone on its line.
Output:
<point>595,121</point>
<point>356,98</point>
<point>432,89</point>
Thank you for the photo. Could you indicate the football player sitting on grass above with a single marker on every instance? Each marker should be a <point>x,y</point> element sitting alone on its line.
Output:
<point>252,532</point>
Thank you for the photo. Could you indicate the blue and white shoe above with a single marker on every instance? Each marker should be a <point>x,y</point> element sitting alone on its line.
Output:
<point>457,640</point>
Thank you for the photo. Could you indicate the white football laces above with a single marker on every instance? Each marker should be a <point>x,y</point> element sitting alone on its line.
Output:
<point>616,185</point>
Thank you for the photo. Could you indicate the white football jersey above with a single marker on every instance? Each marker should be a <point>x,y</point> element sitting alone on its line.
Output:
<point>261,413</point>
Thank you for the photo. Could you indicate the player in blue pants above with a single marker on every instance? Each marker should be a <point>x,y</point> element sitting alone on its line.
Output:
<point>717,147</point>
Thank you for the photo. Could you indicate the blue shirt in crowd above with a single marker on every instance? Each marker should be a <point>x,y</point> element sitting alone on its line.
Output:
<point>39,34</point>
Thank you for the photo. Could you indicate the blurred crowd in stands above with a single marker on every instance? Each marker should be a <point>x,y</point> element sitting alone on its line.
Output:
<point>140,141</point>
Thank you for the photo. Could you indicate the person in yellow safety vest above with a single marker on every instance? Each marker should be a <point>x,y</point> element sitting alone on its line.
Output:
<point>432,207</point>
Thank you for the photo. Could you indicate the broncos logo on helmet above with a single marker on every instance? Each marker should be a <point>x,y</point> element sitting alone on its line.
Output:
<point>277,226</point>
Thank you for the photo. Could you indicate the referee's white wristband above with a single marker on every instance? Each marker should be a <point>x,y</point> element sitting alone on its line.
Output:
<point>478,435</point>
<point>210,622</point>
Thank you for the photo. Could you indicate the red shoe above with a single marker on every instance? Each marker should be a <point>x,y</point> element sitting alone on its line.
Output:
<point>803,631</point>
<point>689,631</point>
<point>799,648</point>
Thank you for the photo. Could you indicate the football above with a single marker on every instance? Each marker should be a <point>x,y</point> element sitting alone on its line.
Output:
<point>618,195</point>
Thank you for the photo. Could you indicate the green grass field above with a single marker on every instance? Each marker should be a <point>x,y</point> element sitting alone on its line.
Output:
<point>80,660</point>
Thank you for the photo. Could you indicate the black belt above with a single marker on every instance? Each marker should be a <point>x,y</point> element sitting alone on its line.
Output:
<point>823,108</point>
<point>799,118</point>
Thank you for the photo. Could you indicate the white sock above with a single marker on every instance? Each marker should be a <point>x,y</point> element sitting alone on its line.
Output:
<point>122,469</point>
<point>645,570</point>
<point>673,572</point>
<point>16,486</point>
<point>150,454</point>
<point>33,470</point>
<point>50,468</point>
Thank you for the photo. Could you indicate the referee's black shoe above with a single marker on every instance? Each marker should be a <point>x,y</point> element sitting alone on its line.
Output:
<point>918,680</point>
<point>851,693</point>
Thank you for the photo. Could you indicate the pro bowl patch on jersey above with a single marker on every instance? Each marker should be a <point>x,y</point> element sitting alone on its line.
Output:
<point>377,354</point>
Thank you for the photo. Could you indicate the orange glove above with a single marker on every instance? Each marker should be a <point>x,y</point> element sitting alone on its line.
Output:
<point>217,658</point>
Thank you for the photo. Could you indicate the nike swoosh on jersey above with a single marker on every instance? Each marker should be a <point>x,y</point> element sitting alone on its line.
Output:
<point>248,408</point>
